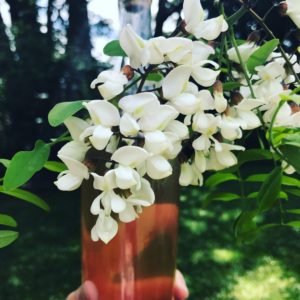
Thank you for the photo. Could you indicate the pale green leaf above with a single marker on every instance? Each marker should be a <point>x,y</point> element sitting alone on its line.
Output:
<point>291,154</point>
<point>7,237</point>
<point>114,48</point>
<point>26,196</point>
<point>219,178</point>
<point>7,220</point>
<point>5,162</point>
<point>61,111</point>
<point>293,211</point>
<point>55,166</point>
<point>295,224</point>
<point>25,164</point>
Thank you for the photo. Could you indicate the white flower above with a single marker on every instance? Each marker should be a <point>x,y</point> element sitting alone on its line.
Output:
<point>76,126</point>
<point>139,51</point>
<point>111,83</point>
<point>194,18</point>
<point>245,50</point>
<point>294,11</point>
<point>72,178</point>
<point>105,228</point>
<point>272,71</point>
<point>104,116</point>
<point>190,175</point>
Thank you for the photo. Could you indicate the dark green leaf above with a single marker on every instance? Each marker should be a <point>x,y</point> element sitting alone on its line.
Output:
<point>292,139</point>
<point>236,16</point>
<point>291,154</point>
<point>7,220</point>
<point>257,178</point>
<point>245,228</point>
<point>282,195</point>
<point>254,155</point>
<point>295,224</point>
<point>155,76</point>
<point>114,48</point>
<point>220,196</point>
<point>55,166</point>
<point>293,211</point>
<point>25,164</point>
<point>259,57</point>
<point>61,111</point>
<point>295,192</point>
<point>219,178</point>
<point>7,237</point>
<point>26,196</point>
<point>230,86</point>
<point>290,181</point>
<point>5,162</point>
<point>270,189</point>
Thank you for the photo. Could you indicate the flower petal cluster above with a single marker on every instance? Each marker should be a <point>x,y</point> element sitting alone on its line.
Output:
<point>293,11</point>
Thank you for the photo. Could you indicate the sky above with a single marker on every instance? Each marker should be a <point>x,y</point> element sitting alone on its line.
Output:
<point>107,9</point>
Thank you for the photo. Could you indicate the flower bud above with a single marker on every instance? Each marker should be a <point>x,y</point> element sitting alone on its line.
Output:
<point>295,108</point>
<point>236,98</point>
<point>254,37</point>
<point>283,7</point>
<point>218,87</point>
<point>128,72</point>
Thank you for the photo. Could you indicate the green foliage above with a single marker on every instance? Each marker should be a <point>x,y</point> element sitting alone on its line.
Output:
<point>7,237</point>
<point>61,111</point>
<point>155,76</point>
<point>5,162</point>
<point>291,154</point>
<point>114,48</point>
<point>260,56</point>
<point>230,86</point>
<point>26,196</point>
<point>55,166</point>
<point>219,178</point>
<point>25,164</point>
<point>7,220</point>
<point>270,189</point>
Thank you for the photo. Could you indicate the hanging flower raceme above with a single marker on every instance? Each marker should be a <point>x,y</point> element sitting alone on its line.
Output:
<point>196,111</point>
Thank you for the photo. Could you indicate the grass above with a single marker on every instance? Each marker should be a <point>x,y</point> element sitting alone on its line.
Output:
<point>45,262</point>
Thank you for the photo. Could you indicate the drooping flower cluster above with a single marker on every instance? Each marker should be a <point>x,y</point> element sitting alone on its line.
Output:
<point>187,116</point>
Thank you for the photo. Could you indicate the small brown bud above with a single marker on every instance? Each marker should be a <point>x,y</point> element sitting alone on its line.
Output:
<point>128,72</point>
<point>218,87</point>
<point>285,87</point>
<point>254,37</point>
<point>283,7</point>
<point>182,26</point>
<point>295,108</point>
<point>236,98</point>
<point>212,44</point>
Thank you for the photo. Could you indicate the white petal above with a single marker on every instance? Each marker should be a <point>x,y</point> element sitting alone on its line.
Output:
<point>138,104</point>
<point>75,167</point>
<point>226,158</point>
<point>128,125</point>
<point>193,14</point>
<point>95,207</point>
<point>109,89</point>
<point>75,126</point>
<point>128,214</point>
<point>113,76</point>
<point>74,149</point>
<point>220,102</point>
<point>144,196</point>
<point>207,101</point>
<point>249,104</point>
<point>200,161</point>
<point>68,181</point>
<point>131,156</point>
<point>178,128</point>
<point>174,83</point>
<point>106,182</point>
<point>158,167</point>
<point>124,177</point>
<point>118,204</point>
<point>186,174</point>
<point>160,120</point>
<point>202,143</point>
<point>186,104</point>
<point>204,76</point>
<point>201,51</point>
<point>250,119</point>
<point>101,136</point>
<point>106,228</point>
<point>156,142</point>
<point>103,112</point>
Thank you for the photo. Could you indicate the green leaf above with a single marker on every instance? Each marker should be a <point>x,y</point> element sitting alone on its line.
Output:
<point>291,154</point>
<point>254,155</point>
<point>114,48</point>
<point>55,166</point>
<point>292,139</point>
<point>219,178</point>
<point>220,196</point>
<point>245,228</point>
<point>26,196</point>
<point>236,16</point>
<point>155,76</point>
<point>25,164</point>
<point>61,111</point>
<point>5,162</point>
<point>7,220</point>
<point>295,192</point>
<point>270,189</point>
<point>293,211</point>
<point>259,57</point>
<point>229,86</point>
<point>257,178</point>
<point>295,224</point>
<point>282,195</point>
<point>290,181</point>
<point>7,237</point>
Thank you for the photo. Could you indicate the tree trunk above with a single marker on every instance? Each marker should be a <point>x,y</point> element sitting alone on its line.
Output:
<point>79,59</point>
<point>138,14</point>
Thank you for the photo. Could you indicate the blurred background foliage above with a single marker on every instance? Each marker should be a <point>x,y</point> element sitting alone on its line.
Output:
<point>42,63</point>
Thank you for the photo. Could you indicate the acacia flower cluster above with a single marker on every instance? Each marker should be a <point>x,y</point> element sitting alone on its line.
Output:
<point>187,116</point>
